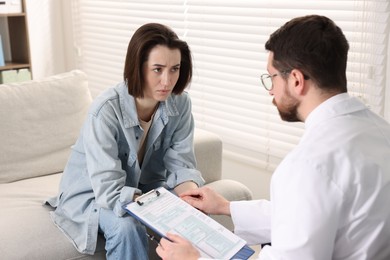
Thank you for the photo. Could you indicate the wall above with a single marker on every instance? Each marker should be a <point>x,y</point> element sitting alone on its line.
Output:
<point>387,89</point>
<point>48,45</point>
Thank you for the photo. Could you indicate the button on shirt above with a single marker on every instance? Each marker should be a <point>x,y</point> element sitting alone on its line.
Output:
<point>330,195</point>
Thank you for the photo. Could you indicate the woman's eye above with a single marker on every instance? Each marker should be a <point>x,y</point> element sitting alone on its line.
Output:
<point>175,69</point>
<point>157,69</point>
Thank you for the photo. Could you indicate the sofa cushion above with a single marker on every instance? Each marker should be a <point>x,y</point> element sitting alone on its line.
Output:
<point>26,229</point>
<point>35,140</point>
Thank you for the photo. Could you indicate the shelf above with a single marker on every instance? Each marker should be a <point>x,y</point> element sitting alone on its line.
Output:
<point>12,14</point>
<point>14,32</point>
<point>14,65</point>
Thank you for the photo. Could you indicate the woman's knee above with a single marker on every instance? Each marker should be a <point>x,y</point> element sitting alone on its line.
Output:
<point>112,225</point>
<point>125,237</point>
<point>130,225</point>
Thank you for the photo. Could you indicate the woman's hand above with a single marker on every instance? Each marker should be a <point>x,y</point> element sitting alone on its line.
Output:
<point>136,196</point>
<point>176,248</point>
<point>207,200</point>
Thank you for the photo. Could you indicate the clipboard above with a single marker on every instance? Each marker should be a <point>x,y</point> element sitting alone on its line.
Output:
<point>163,212</point>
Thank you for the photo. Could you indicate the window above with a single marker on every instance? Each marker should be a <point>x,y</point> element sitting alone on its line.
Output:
<point>227,40</point>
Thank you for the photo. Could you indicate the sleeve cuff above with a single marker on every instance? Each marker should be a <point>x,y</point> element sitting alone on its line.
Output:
<point>126,196</point>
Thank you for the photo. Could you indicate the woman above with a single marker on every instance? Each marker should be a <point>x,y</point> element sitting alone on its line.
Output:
<point>137,136</point>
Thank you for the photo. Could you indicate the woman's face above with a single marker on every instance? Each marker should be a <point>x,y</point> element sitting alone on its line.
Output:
<point>161,72</point>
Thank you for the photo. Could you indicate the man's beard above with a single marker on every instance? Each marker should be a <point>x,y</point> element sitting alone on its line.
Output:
<point>288,108</point>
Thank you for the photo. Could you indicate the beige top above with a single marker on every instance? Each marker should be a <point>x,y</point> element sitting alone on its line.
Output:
<point>145,126</point>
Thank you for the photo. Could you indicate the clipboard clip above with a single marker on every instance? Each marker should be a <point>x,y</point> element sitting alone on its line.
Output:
<point>138,200</point>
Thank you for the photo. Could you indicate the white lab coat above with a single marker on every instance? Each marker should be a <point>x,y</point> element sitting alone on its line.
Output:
<point>330,195</point>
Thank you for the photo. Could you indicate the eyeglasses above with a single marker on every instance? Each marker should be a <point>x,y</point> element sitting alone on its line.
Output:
<point>266,79</point>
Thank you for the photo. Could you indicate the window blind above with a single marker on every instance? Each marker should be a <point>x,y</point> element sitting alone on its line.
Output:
<point>227,40</point>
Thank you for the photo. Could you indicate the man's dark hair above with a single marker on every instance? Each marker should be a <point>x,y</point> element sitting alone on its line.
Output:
<point>316,46</point>
<point>140,45</point>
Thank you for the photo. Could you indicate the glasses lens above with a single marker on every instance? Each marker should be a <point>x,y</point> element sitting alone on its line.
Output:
<point>267,81</point>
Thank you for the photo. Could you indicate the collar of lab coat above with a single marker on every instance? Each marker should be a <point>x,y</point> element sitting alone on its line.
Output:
<point>335,106</point>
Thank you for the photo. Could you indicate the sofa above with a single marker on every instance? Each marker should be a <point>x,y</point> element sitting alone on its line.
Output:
<point>39,121</point>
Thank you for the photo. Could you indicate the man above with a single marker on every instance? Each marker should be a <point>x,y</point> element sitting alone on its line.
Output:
<point>329,196</point>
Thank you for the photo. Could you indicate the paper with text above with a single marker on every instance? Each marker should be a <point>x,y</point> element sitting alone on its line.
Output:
<point>168,213</point>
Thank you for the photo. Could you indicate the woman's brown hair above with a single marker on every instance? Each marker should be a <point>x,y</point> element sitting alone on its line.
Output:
<point>140,45</point>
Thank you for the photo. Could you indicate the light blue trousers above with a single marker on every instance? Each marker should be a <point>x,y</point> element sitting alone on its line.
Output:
<point>125,236</point>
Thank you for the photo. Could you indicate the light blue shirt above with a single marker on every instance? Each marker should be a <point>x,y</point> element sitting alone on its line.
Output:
<point>103,169</point>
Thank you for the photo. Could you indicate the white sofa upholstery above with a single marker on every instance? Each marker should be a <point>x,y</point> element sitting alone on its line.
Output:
<point>39,121</point>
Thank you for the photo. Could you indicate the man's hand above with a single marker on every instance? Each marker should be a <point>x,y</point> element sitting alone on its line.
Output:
<point>185,186</point>
<point>177,248</point>
<point>207,200</point>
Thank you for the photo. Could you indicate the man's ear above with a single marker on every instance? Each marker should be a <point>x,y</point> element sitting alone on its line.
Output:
<point>298,79</point>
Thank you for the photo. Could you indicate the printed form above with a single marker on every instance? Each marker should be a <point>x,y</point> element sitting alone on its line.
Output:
<point>164,212</point>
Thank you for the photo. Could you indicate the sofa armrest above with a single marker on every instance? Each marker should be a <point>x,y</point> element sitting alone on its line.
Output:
<point>208,153</point>
<point>232,191</point>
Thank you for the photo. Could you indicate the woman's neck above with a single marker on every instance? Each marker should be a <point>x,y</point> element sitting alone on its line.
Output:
<point>145,108</point>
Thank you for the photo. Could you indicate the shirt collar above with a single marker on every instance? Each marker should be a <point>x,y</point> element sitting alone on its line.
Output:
<point>335,106</point>
<point>129,110</point>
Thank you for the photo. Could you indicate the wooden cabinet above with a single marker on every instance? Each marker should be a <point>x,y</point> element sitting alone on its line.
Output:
<point>14,33</point>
